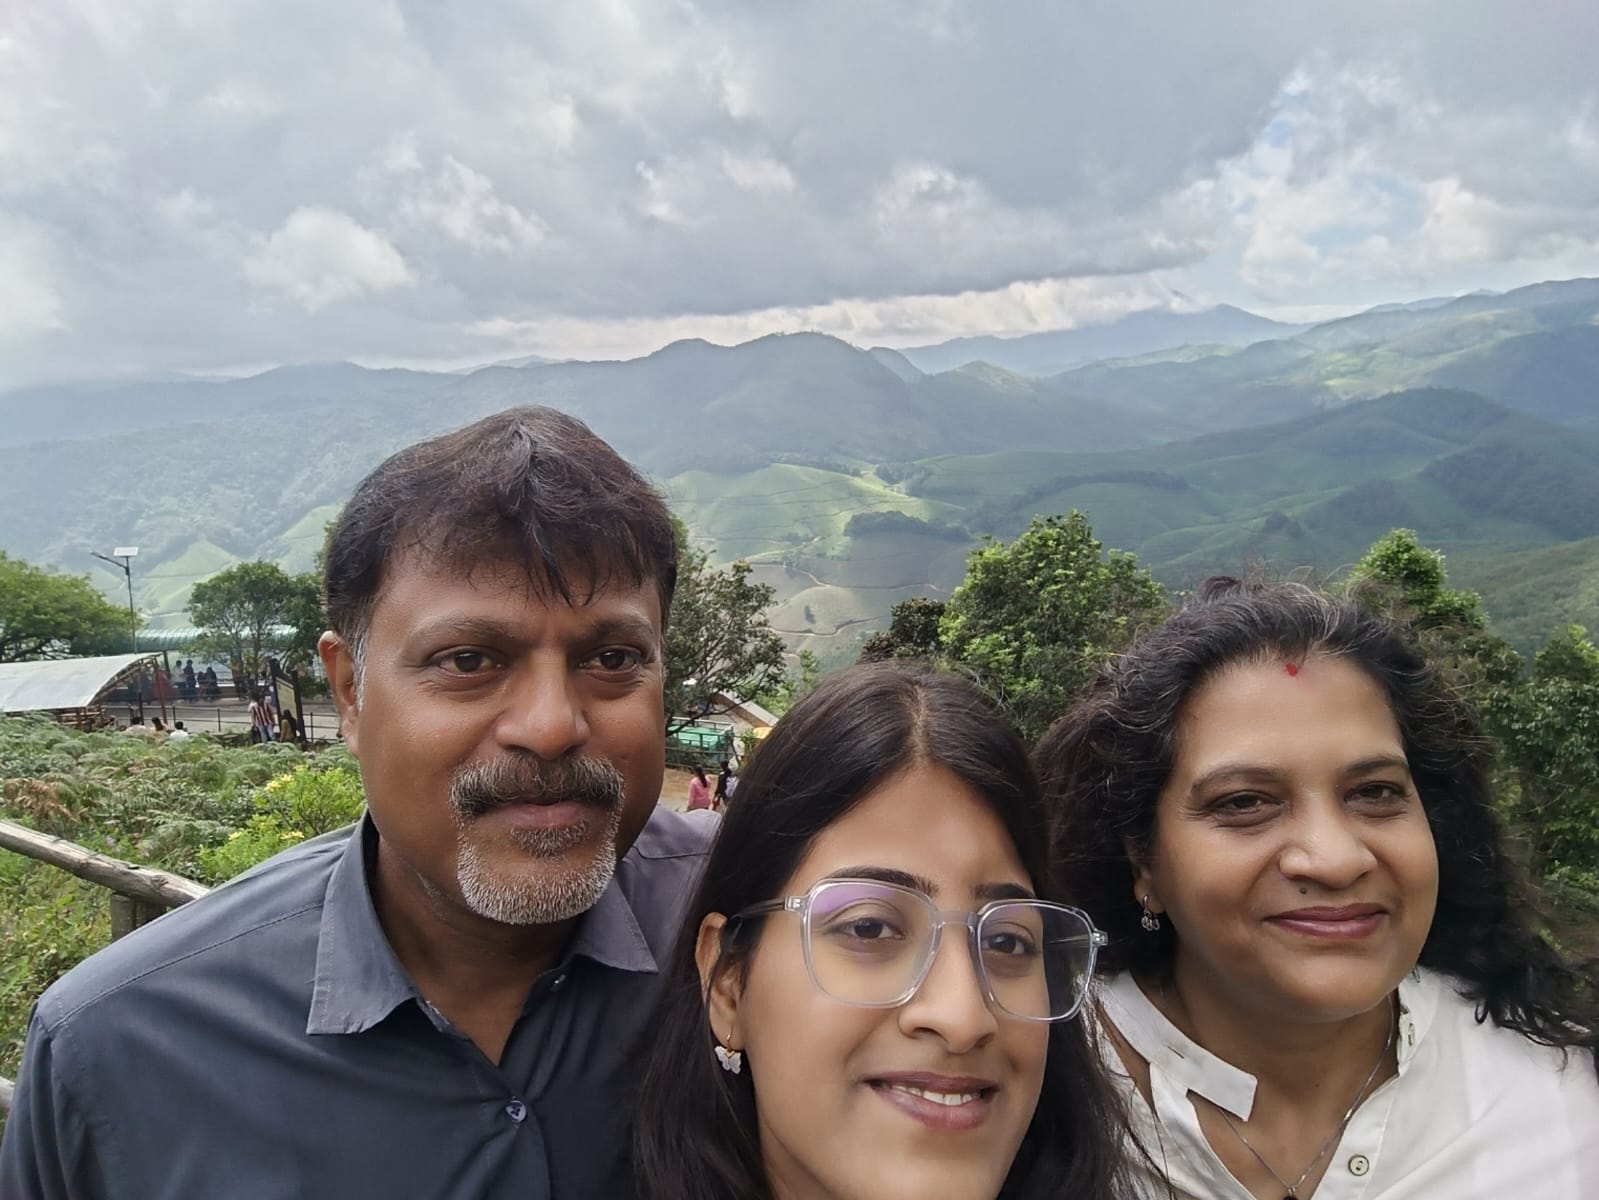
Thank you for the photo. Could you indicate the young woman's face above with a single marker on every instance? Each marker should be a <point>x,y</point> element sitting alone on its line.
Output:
<point>931,1098</point>
<point>1291,855</point>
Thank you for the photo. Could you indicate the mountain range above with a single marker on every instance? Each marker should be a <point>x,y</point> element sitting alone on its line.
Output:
<point>853,478</point>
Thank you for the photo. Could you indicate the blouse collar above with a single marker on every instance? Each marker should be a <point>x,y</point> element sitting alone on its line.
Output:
<point>1172,1053</point>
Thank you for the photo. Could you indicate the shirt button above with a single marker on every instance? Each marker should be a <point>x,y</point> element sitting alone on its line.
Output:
<point>1359,1164</point>
<point>517,1111</point>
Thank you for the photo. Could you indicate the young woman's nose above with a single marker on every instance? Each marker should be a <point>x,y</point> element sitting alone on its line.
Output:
<point>950,1002</point>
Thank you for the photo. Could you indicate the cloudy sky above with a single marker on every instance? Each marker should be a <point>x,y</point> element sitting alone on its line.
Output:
<point>206,185</point>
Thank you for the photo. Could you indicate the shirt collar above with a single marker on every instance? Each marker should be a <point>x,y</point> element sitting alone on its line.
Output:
<point>359,981</point>
<point>609,934</point>
<point>1192,1068</point>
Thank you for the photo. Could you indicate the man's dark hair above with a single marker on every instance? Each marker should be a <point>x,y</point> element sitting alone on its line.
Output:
<point>696,1135</point>
<point>1105,763</point>
<point>528,486</point>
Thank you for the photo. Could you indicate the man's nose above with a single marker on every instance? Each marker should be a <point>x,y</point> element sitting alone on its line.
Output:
<point>543,713</point>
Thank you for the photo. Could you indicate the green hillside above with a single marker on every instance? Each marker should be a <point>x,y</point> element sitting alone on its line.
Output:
<point>857,480</point>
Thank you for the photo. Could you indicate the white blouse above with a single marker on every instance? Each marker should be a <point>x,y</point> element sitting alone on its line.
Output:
<point>1475,1113</point>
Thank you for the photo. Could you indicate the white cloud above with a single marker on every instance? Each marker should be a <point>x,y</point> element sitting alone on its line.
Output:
<point>633,166</point>
<point>320,256</point>
<point>28,295</point>
<point>1022,307</point>
<point>463,204</point>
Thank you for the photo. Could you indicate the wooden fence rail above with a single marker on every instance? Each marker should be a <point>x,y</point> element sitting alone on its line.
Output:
<point>138,894</point>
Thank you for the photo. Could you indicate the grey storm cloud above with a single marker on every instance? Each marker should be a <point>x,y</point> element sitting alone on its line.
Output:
<point>202,183</point>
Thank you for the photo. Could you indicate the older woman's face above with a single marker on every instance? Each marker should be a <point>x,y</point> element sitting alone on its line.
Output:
<point>1291,852</point>
<point>931,1098</point>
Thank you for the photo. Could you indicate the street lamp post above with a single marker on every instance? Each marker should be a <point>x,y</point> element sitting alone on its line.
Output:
<point>126,554</point>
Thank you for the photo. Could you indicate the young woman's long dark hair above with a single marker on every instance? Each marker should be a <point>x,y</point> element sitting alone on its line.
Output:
<point>696,1128</point>
<point>1106,761</point>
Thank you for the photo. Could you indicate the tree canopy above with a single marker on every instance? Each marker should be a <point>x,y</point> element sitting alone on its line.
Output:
<point>238,608</point>
<point>718,638</point>
<point>1037,616</point>
<point>44,614</point>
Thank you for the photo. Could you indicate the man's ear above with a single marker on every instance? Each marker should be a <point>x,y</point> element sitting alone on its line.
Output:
<point>722,988</point>
<point>340,666</point>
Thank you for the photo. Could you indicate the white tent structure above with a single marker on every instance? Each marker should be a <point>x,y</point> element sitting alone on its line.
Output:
<point>64,684</point>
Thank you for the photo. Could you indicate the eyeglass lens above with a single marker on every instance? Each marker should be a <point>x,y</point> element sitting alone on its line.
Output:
<point>870,943</point>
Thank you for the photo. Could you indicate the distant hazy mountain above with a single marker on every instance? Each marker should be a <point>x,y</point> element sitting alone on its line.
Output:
<point>852,472</point>
<point>1139,333</point>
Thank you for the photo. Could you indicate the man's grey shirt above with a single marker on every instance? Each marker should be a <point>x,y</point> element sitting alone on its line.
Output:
<point>264,1041</point>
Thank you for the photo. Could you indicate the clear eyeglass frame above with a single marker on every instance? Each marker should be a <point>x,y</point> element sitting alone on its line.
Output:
<point>802,906</point>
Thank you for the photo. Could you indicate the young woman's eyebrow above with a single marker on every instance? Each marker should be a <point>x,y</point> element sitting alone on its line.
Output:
<point>916,883</point>
<point>1003,891</point>
<point>904,879</point>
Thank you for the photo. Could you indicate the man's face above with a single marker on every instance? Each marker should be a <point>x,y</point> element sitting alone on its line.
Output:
<point>511,745</point>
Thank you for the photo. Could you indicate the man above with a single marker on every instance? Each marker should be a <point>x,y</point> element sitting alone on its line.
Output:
<point>445,1002</point>
<point>260,719</point>
<point>179,733</point>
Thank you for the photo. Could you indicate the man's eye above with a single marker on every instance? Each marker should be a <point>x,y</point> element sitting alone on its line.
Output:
<point>464,662</point>
<point>617,659</point>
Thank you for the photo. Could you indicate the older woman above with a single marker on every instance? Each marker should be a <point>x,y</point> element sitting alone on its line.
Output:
<point>872,998</point>
<point>1323,978</point>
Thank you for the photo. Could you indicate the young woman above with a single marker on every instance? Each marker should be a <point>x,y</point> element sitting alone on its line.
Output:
<point>699,790</point>
<point>1323,975</point>
<point>870,1000</point>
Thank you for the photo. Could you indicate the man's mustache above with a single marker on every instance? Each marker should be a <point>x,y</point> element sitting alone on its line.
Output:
<point>523,779</point>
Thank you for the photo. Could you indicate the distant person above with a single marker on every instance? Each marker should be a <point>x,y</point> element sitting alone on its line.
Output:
<point>189,692</point>
<point>179,733</point>
<point>699,789</point>
<point>262,728</point>
<point>157,725</point>
<point>725,784</point>
<point>288,728</point>
<point>450,999</point>
<point>213,690</point>
<point>137,726</point>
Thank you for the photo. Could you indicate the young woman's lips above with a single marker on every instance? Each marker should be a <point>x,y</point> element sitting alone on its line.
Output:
<point>948,1103</point>
<point>1345,923</point>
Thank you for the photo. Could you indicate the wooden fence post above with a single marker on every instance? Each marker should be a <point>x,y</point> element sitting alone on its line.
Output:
<point>127,914</point>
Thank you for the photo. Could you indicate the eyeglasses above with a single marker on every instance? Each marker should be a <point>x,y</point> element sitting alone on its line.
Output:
<point>872,944</point>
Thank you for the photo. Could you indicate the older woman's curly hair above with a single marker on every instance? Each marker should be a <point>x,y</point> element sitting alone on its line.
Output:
<point>1106,761</point>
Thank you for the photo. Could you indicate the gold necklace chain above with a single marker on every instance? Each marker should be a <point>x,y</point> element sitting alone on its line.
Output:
<point>1291,1190</point>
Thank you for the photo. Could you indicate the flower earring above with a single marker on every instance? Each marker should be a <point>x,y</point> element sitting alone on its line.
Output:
<point>1150,920</point>
<point>731,1060</point>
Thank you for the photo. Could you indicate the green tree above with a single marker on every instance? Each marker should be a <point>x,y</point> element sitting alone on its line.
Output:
<point>797,681</point>
<point>48,615</point>
<point>1037,616</point>
<point>1548,729</point>
<point>912,632</point>
<point>1406,581</point>
<point>238,608</point>
<point>719,639</point>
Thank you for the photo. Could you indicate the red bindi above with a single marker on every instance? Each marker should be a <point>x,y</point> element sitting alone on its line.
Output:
<point>1291,668</point>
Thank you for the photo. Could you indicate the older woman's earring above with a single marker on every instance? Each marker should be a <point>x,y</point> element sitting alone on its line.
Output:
<point>1150,921</point>
<point>731,1060</point>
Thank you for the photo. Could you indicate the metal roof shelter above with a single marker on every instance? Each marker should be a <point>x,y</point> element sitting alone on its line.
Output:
<point>58,684</point>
